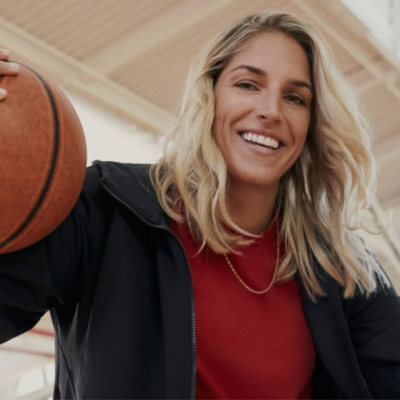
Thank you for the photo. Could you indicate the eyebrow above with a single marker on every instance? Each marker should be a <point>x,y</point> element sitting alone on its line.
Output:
<point>254,70</point>
<point>258,71</point>
<point>298,83</point>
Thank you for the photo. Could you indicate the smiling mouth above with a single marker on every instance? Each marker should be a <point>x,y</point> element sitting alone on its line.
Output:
<point>260,140</point>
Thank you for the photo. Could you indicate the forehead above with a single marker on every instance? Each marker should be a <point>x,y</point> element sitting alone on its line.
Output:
<point>273,52</point>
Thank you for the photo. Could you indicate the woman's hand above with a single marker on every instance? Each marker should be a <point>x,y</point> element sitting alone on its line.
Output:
<point>6,68</point>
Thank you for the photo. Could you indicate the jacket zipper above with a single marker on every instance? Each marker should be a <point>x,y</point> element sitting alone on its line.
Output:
<point>351,344</point>
<point>194,350</point>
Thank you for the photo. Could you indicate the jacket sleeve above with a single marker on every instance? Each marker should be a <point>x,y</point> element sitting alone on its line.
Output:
<point>46,274</point>
<point>374,324</point>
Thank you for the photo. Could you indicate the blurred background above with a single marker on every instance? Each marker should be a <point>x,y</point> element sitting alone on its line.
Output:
<point>123,64</point>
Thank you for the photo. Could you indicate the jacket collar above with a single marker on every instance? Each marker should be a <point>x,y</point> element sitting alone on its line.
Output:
<point>131,185</point>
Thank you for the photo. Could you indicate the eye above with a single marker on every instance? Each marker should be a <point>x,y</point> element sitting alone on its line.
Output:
<point>246,85</point>
<point>295,99</point>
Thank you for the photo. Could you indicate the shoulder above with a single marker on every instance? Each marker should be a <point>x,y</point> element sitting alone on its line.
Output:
<point>374,326</point>
<point>119,176</point>
<point>381,308</point>
<point>117,172</point>
<point>123,184</point>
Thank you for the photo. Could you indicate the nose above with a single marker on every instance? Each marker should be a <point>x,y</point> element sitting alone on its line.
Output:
<point>268,109</point>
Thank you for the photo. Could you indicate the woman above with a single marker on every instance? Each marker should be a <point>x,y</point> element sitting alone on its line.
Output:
<point>230,269</point>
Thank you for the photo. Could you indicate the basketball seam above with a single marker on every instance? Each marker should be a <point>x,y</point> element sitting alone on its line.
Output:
<point>53,163</point>
<point>55,160</point>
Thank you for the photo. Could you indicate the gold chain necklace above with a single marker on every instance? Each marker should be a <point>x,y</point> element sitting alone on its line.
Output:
<point>273,278</point>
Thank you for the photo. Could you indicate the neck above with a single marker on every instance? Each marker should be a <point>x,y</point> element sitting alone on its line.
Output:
<point>251,207</point>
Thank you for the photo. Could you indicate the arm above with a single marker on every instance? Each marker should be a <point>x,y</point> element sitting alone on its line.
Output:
<point>47,274</point>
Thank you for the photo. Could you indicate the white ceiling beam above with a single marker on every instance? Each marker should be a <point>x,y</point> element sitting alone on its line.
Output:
<point>347,44</point>
<point>389,156</point>
<point>387,147</point>
<point>367,86</point>
<point>173,22</point>
<point>396,26</point>
<point>82,80</point>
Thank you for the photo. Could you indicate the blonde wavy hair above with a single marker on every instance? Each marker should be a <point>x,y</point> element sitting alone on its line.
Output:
<point>321,198</point>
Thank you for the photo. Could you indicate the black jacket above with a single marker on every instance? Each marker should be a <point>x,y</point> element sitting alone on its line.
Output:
<point>119,287</point>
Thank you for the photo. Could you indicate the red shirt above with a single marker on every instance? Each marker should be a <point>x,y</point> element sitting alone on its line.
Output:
<point>249,346</point>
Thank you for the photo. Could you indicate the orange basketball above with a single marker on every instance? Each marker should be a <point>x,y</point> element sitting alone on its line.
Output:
<point>42,159</point>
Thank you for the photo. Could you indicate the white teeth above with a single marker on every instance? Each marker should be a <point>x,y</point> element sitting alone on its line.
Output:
<point>274,143</point>
<point>266,141</point>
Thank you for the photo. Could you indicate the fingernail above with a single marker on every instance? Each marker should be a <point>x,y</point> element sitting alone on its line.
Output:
<point>3,92</point>
<point>6,53</point>
<point>14,67</point>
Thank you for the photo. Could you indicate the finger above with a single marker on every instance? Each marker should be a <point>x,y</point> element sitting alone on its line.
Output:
<point>4,54</point>
<point>3,93</point>
<point>8,68</point>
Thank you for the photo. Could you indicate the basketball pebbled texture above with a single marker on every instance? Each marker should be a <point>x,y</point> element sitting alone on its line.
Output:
<point>42,159</point>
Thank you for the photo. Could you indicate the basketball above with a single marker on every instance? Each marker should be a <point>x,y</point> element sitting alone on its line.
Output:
<point>42,159</point>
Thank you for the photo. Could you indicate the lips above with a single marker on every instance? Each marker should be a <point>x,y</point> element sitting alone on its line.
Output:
<point>263,140</point>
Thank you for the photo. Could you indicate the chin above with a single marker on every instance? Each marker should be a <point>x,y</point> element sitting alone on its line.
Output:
<point>255,179</point>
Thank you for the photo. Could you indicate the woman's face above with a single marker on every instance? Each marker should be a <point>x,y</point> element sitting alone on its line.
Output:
<point>263,94</point>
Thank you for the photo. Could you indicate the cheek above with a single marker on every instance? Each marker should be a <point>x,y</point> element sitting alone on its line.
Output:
<point>300,124</point>
<point>222,120</point>
<point>226,116</point>
<point>230,106</point>
<point>217,126</point>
